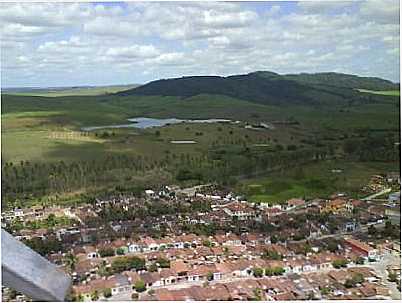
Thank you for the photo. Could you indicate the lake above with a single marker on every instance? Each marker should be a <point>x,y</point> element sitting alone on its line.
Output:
<point>143,122</point>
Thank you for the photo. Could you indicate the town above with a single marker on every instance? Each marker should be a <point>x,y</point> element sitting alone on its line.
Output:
<point>208,243</point>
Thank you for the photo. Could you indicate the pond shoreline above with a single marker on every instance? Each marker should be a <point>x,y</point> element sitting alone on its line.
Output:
<point>143,123</point>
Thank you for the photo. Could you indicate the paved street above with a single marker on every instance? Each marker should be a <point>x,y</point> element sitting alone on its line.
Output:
<point>381,269</point>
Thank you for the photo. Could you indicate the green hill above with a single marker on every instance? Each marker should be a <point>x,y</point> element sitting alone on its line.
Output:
<point>271,89</point>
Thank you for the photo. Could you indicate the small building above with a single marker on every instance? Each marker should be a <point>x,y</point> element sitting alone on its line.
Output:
<point>362,249</point>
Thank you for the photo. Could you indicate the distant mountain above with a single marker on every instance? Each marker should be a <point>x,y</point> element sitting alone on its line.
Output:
<point>269,88</point>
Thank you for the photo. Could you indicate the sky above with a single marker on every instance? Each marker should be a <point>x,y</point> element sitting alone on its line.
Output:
<point>72,44</point>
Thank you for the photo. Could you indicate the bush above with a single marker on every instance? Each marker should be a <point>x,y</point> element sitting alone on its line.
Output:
<point>120,251</point>
<point>107,293</point>
<point>163,263</point>
<point>140,286</point>
<point>339,263</point>
<point>106,252</point>
<point>392,277</point>
<point>258,272</point>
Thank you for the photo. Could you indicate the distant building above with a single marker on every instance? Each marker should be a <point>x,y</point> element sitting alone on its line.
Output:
<point>362,248</point>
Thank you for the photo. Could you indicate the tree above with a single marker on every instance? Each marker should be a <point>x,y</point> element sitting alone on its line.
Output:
<point>207,243</point>
<point>339,263</point>
<point>95,295</point>
<point>258,294</point>
<point>324,291</point>
<point>272,255</point>
<point>106,252</point>
<point>359,260</point>
<point>107,293</point>
<point>392,277</point>
<point>258,272</point>
<point>120,251</point>
<point>210,276</point>
<point>70,260</point>
<point>332,246</point>
<point>163,263</point>
<point>140,286</point>
<point>349,283</point>
<point>153,267</point>
<point>278,271</point>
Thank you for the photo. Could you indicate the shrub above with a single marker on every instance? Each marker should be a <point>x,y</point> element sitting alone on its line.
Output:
<point>258,272</point>
<point>107,293</point>
<point>140,286</point>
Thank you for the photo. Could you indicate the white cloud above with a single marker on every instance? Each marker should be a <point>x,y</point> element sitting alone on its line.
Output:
<point>136,42</point>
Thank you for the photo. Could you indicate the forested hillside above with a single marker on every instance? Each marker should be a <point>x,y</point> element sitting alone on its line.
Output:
<point>271,88</point>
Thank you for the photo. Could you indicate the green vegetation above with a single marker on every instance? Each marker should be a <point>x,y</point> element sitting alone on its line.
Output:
<point>127,263</point>
<point>381,92</point>
<point>47,158</point>
<point>274,271</point>
<point>72,91</point>
<point>339,263</point>
<point>313,180</point>
<point>268,88</point>
<point>140,286</point>
<point>356,279</point>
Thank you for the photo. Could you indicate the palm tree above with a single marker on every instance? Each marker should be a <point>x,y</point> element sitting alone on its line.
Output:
<point>70,260</point>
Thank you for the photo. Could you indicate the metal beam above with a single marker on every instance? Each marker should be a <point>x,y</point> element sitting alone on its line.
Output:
<point>26,271</point>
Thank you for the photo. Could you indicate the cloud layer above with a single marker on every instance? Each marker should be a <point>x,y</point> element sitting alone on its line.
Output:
<point>51,44</point>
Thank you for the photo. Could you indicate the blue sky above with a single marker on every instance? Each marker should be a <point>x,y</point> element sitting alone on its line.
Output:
<point>64,44</point>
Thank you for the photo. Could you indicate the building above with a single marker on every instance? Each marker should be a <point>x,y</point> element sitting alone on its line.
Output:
<point>239,210</point>
<point>362,249</point>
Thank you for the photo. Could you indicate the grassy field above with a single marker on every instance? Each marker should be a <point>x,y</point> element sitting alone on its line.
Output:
<point>28,123</point>
<point>382,92</point>
<point>313,180</point>
<point>74,91</point>
<point>48,129</point>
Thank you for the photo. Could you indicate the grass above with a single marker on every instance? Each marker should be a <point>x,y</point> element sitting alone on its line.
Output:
<point>381,92</point>
<point>313,180</point>
<point>29,125</point>
<point>74,91</point>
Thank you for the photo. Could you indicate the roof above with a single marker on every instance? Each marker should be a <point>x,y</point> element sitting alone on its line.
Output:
<point>360,245</point>
<point>179,266</point>
<point>295,202</point>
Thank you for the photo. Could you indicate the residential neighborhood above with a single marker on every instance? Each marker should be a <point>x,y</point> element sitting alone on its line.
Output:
<point>211,244</point>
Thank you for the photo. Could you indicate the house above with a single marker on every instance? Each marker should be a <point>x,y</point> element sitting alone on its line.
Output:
<point>151,279</point>
<point>294,265</point>
<point>117,284</point>
<point>270,213</point>
<point>134,247</point>
<point>242,289</point>
<point>180,268</point>
<point>149,244</point>
<point>335,206</point>
<point>202,273</point>
<point>167,276</point>
<point>361,248</point>
<point>150,193</point>
<point>239,210</point>
<point>293,203</point>
<point>91,252</point>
